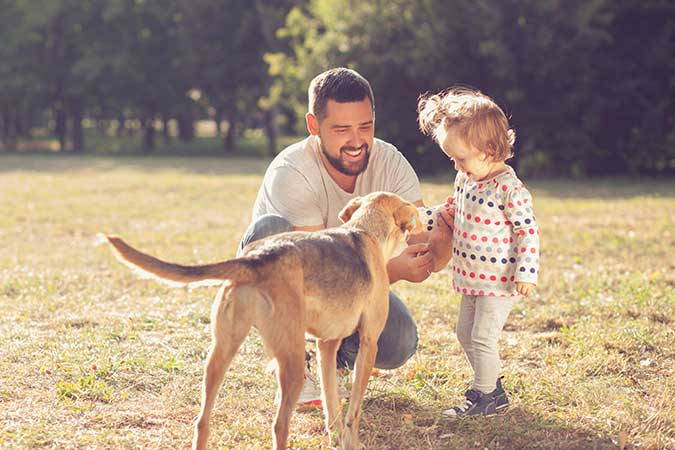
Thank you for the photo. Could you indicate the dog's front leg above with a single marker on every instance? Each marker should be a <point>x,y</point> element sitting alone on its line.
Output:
<point>363,367</point>
<point>331,402</point>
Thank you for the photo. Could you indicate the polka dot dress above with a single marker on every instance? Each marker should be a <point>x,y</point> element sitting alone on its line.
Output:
<point>496,240</point>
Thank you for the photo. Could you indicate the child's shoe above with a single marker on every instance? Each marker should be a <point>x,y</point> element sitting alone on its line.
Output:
<point>501,399</point>
<point>476,404</point>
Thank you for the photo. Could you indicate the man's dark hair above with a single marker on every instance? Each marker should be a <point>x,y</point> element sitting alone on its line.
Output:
<point>341,85</point>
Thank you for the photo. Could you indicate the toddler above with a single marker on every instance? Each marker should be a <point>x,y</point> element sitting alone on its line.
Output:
<point>495,258</point>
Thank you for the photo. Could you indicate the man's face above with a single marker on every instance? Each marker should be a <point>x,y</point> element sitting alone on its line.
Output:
<point>346,135</point>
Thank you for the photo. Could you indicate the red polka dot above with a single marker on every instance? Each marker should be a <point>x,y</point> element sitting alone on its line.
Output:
<point>487,221</point>
<point>531,230</point>
<point>525,200</point>
<point>533,250</point>
<point>491,294</point>
<point>463,272</point>
<point>508,222</point>
<point>472,275</point>
<point>464,290</point>
<point>519,204</point>
<point>468,216</point>
<point>504,187</point>
<point>510,239</point>
<point>464,235</point>
<point>477,219</point>
<point>504,279</point>
<point>493,278</point>
<point>521,233</point>
<point>510,205</point>
<point>505,240</point>
<point>512,278</point>
<point>474,237</point>
<point>480,185</point>
<point>484,239</point>
<point>495,240</point>
<point>498,222</point>
<point>473,292</point>
<point>481,292</point>
<point>481,276</point>
<point>523,249</point>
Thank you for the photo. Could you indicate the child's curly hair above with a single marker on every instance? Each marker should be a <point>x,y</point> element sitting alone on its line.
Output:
<point>475,116</point>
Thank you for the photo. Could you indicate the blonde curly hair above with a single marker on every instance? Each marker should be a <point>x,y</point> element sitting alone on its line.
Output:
<point>477,119</point>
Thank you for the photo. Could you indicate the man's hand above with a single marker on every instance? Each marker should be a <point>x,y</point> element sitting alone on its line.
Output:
<point>413,264</point>
<point>525,288</point>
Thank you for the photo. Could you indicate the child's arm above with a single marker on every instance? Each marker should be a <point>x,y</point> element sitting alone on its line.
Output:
<point>524,226</point>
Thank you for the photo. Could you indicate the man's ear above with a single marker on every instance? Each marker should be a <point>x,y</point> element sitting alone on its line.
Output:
<point>407,218</point>
<point>348,210</point>
<point>312,124</point>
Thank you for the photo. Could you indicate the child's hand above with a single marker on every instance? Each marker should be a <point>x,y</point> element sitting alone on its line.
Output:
<point>447,213</point>
<point>525,288</point>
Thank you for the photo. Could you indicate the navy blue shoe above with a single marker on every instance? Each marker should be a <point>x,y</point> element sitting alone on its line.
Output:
<point>475,404</point>
<point>501,399</point>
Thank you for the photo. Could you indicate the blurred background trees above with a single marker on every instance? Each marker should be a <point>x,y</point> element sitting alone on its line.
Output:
<point>589,84</point>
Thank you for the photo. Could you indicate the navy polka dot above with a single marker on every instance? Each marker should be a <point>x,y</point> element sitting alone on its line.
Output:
<point>463,254</point>
<point>522,269</point>
<point>527,221</point>
<point>490,204</point>
<point>430,228</point>
<point>532,270</point>
<point>501,207</point>
<point>483,258</point>
<point>516,223</point>
<point>480,201</point>
<point>431,221</point>
<point>429,212</point>
<point>504,260</point>
<point>512,260</point>
<point>473,199</point>
<point>493,260</point>
<point>473,256</point>
<point>468,195</point>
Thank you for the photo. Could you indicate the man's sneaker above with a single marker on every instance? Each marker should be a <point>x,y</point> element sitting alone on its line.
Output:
<point>475,404</point>
<point>501,399</point>
<point>310,396</point>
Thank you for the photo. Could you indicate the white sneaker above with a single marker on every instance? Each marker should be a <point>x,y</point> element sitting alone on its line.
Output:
<point>310,396</point>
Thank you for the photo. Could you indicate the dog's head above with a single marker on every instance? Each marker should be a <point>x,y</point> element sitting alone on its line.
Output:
<point>404,215</point>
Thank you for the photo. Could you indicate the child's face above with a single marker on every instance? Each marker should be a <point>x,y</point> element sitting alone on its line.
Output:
<point>466,157</point>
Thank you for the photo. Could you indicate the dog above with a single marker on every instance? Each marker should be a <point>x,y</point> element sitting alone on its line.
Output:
<point>327,283</point>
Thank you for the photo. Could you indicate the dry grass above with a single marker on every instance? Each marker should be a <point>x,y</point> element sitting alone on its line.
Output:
<point>91,357</point>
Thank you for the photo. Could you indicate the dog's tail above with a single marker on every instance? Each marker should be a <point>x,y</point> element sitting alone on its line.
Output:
<point>148,266</point>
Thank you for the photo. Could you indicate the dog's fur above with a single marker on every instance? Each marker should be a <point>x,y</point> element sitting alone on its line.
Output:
<point>329,284</point>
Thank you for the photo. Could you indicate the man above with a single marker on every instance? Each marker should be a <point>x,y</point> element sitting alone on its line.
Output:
<point>309,182</point>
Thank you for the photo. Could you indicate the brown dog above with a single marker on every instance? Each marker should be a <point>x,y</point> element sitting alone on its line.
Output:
<point>329,284</point>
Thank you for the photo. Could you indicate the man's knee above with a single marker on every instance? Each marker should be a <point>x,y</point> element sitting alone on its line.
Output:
<point>400,334</point>
<point>262,227</point>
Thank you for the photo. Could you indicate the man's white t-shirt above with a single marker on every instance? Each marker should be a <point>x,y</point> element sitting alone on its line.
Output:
<point>298,187</point>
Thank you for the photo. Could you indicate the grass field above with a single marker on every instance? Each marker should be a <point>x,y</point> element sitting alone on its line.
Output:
<point>92,357</point>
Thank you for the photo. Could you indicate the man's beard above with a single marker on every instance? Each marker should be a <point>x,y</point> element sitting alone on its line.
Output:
<point>344,167</point>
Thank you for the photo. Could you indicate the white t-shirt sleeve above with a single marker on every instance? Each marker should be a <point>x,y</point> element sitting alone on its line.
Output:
<point>290,195</point>
<point>403,179</point>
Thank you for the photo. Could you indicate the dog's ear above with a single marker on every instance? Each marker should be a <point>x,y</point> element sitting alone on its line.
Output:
<point>348,210</point>
<point>407,218</point>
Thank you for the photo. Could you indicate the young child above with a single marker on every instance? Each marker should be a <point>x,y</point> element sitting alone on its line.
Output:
<point>496,243</point>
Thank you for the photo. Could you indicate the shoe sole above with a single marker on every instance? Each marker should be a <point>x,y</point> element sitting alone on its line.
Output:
<point>310,405</point>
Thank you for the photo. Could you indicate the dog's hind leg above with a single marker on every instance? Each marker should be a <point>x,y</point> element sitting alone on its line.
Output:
<point>331,404</point>
<point>231,319</point>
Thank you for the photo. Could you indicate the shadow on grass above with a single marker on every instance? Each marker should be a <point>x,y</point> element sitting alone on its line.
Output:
<point>198,165</point>
<point>391,422</point>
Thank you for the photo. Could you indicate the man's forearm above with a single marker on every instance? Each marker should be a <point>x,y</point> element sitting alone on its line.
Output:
<point>393,271</point>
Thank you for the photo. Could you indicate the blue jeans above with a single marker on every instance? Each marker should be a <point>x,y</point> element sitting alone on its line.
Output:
<point>398,341</point>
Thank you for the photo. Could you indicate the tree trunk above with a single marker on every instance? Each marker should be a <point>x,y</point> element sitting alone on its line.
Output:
<point>186,126</point>
<point>271,130</point>
<point>60,126</point>
<point>218,118</point>
<point>165,128</point>
<point>77,133</point>
<point>230,142</point>
<point>149,134</point>
<point>121,124</point>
